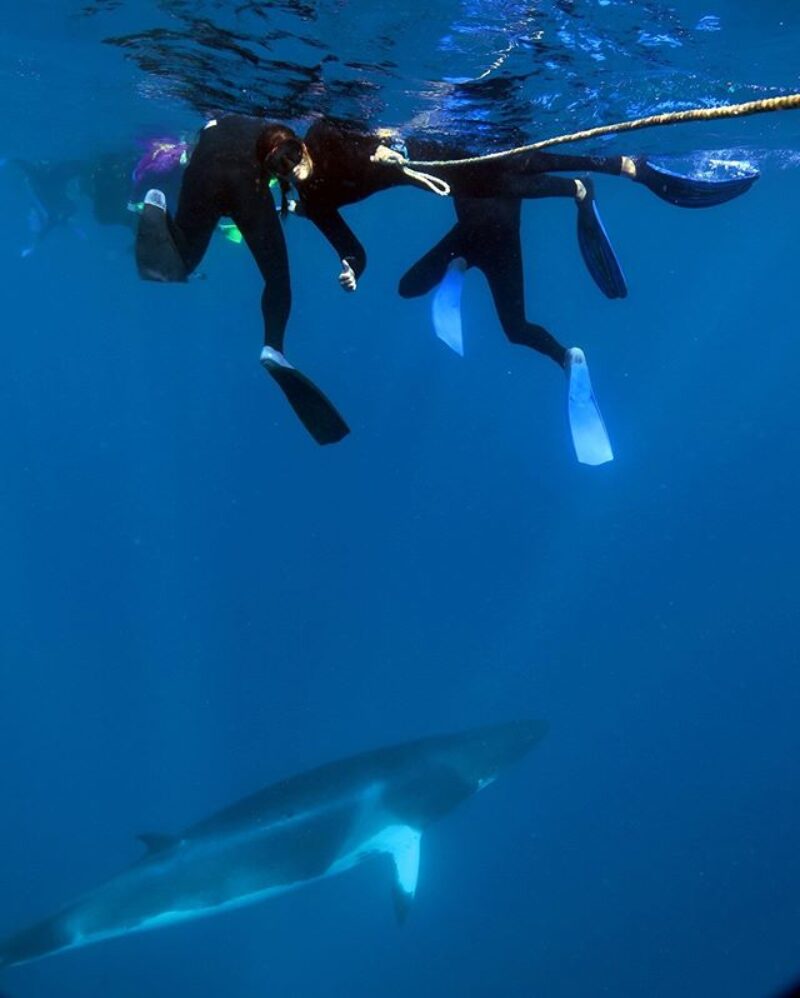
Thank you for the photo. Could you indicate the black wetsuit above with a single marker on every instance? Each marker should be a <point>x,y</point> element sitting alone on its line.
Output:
<point>225,177</point>
<point>487,236</point>
<point>343,174</point>
<point>487,200</point>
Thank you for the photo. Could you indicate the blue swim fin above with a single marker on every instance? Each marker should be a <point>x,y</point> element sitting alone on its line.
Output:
<point>589,435</point>
<point>691,192</point>
<point>446,307</point>
<point>596,249</point>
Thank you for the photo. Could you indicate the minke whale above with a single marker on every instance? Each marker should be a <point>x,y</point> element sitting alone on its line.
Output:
<point>300,829</point>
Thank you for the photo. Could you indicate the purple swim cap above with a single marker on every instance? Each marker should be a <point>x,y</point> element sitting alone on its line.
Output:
<point>161,156</point>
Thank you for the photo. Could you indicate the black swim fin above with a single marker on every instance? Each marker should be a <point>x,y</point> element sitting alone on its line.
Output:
<point>691,192</point>
<point>157,257</point>
<point>596,249</point>
<point>313,409</point>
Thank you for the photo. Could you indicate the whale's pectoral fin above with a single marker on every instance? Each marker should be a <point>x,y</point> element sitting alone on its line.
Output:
<point>156,842</point>
<point>402,843</point>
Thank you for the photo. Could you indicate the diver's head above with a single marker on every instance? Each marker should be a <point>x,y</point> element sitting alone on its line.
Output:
<point>284,155</point>
<point>290,161</point>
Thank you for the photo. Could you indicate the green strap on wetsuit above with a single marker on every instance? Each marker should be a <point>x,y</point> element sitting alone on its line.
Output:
<point>230,230</point>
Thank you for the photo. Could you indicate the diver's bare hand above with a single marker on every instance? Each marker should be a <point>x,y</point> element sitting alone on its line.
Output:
<point>347,278</point>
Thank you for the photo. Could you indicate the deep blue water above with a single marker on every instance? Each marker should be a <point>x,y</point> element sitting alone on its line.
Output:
<point>196,600</point>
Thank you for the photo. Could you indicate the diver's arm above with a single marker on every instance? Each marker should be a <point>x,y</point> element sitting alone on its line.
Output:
<point>339,234</point>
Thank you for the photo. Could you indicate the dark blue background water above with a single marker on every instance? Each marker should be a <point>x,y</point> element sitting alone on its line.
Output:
<point>196,600</point>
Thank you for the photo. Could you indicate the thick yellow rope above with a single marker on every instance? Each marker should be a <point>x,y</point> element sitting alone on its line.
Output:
<point>788,102</point>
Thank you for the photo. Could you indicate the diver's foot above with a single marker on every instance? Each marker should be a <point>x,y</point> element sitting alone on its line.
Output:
<point>589,436</point>
<point>156,198</point>
<point>271,358</point>
<point>157,257</point>
<point>688,192</point>
<point>313,409</point>
<point>595,246</point>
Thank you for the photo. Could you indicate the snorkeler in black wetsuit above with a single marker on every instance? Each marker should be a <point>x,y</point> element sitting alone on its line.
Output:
<point>226,176</point>
<point>335,166</point>
<point>486,237</point>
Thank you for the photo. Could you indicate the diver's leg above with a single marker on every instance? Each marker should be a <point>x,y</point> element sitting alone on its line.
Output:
<point>595,246</point>
<point>501,263</point>
<point>157,256</point>
<point>683,191</point>
<point>429,270</point>
<point>168,250</point>
<point>165,249</point>
<point>442,268</point>
<point>539,161</point>
<point>258,222</point>
<point>516,184</point>
<point>503,271</point>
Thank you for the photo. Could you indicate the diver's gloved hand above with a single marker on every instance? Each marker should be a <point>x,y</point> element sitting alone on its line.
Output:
<point>384,154</point>
<point>347,278</point>
<point>291,207</point>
